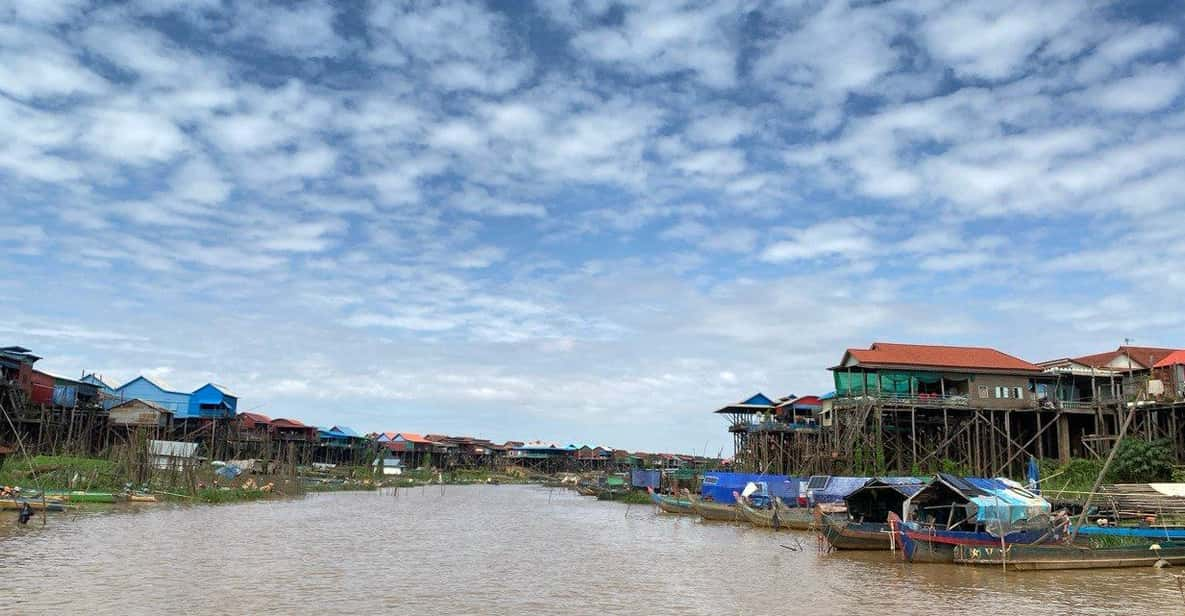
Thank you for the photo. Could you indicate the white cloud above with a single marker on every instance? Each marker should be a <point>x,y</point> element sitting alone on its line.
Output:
<point>1148,90</point>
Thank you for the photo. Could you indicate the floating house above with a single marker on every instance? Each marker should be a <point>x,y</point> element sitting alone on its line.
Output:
<point>293,430</point>
<point>1101,378</point>
<point>16,367</point>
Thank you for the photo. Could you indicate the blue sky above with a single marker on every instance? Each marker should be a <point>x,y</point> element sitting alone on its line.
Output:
<point>580,221</point>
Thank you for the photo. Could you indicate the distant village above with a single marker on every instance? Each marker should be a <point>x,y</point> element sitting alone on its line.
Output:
<point>53,414</point>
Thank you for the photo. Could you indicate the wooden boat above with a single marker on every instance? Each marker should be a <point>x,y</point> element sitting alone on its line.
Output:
<point>14,504</point>
<point>764,518</point>
<point>141,498</point>
<point>709,510</point>
<point>844,534</point>
<point>795,518</point>
<point>1149,533</point>
<point>83,496</point>
<point>1062,556</point>
<point>925,544</point>
<point>611,494</point>
<point>587,490</point>
<point>670,504</point>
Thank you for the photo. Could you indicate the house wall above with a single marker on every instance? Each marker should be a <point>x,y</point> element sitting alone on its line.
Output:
<point>144,390</point>
<point>137,415</point>
<point>211,395</point>
<point>42,388</point>
<point>992,382</point>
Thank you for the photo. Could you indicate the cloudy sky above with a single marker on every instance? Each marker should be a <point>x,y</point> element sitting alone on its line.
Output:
<point>580,221</point>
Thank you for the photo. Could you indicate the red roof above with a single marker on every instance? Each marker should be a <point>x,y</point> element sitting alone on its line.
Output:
<point>1143,355</point>
<point>1172,359</point>
<point>281,422</point>
<point>412,437</point>
<point>808,401</point>
<point>256,417</point>
<point>937,356</point>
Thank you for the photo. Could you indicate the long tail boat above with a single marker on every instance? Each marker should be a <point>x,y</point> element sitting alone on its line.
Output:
<point>844,534</point>
<point>709,510</point>
<point>1061,556</point>
<point>764,518</point>
<point>795,518</point>
<point>864,525</point>
<point>670,504</point>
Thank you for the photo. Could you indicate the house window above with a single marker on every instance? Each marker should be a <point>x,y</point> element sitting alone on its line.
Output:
<point>983,391</point>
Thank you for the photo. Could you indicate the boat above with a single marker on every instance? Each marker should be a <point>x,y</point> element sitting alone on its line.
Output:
<point>1151,533</point>
<point>764,518</point>
<point>141,498</point>
<point>710,510</point>
<point>976,512</point>
<point>587,490</point>
<point>1064,556</point>
<point>83,496</point>
<point>670,504</point>
<point>864,525</point>
<point>14,504</point>
<point>795,518</point>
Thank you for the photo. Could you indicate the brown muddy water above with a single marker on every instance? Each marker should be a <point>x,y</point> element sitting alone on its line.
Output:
<point>499,550</point>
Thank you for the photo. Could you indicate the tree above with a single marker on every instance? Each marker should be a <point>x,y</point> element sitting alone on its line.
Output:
<point>1139,461</point>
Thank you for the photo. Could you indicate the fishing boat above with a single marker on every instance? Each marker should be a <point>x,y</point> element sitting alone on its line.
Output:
<point>974,512</point>
<point>757,516</point>
<point>711,510</point>
<point>141,498</point>
<point>864,525</point>
<point>795,518</point>
<point>1150,533</point>
<point>671,504</point>
<point>1063,556</point>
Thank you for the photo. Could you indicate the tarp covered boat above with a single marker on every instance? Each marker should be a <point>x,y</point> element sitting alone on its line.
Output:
<point>978,512</point>
<point>865,525</point>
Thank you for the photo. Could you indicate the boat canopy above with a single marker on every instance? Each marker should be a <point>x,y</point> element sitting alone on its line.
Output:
<point>719,486</point>
<point>824,489</point>
<point>997,505</point>
<point>873,501</point>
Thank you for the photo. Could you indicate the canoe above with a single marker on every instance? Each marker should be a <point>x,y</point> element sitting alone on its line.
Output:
<point>1062,556</point>
<point>11,504</point>
<point>670,504</point>
<point>141,498</point>
<point>845,534</point>
<point>1151,533</point>
<point>709,510</point>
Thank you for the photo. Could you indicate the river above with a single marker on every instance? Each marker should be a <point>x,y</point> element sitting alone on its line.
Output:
<point>499,550</point>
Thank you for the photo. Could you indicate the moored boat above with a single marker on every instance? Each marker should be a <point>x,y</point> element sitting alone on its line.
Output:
<point>83,496</point>
<point>865,523</point>
<point>764,518</point>
<point>1063,556</point>
<point>974,512</point>
<point>710,510</point>
<point>671,504</point>
<point>37,504</point>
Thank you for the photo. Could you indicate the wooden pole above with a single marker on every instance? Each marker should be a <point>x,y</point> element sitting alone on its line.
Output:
<point>1102,473</point>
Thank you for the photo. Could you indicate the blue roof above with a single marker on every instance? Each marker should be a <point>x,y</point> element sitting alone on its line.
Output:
<point>759,399</point>
<point>346,430</point>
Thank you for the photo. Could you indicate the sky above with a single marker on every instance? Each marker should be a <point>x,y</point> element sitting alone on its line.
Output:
<point>589,222</point>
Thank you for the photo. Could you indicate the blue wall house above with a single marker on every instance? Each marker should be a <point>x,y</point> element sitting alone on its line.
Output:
<point>157,393</point>
<point>212,401</point>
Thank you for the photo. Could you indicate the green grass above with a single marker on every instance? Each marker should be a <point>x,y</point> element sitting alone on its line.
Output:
<point>63,472</point>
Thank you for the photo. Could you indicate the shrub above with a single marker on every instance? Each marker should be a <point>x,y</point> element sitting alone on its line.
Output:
<point>1139,461</point>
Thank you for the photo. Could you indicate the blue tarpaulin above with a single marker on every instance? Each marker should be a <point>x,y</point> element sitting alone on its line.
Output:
<point>831,489</point>
<point>645,479</point>
<point>719,486</point>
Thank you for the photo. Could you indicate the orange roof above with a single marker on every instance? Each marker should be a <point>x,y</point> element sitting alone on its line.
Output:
<point>256,417</point>
<point>412,437</point>
<point>886,354</point>
<point>1143,355</point>
<point>1172,359</point>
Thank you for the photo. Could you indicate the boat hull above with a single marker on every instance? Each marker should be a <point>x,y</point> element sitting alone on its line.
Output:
<point>671,504</point>
<point>764,518</point>
<point>847,535</point>
<point>924,545</point>
<point>1060,556</point>
<point>715,512</point>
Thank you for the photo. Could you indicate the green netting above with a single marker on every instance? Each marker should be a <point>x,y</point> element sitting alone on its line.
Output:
<point>849,383</point>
